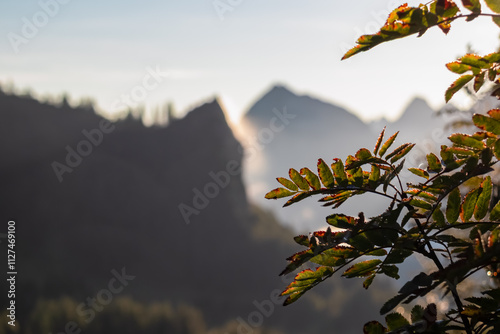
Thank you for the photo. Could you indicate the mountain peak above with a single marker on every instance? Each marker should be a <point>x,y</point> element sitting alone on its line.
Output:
<point>212,110</point>
<point>279,89</point>
<point>418,103</point>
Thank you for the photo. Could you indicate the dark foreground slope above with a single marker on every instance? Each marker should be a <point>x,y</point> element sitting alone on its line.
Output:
<point>146,230</point>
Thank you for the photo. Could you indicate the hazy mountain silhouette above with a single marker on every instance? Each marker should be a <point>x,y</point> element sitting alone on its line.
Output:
<point>317,130</point>
<point>323,130</point>
<point>119,207</point>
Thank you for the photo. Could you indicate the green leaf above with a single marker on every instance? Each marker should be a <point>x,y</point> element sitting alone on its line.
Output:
<point>325,174</point>
<point>479,81</point>
<point>362,269</point>
<point>377,252</point>
<point>373,327</point>
<point>458,68</point>
<point>379,237</point>
<point>420,204</point>
<point>417,313</point>
<point>400,152</point>
<point>483,201</point>
<point>453,207</point>
<point>354,174</point>
<point>302,240</point>
<point>287,183</point>
<point>472,5</point>
<point>495,212</point>
<point>297,198</point>
<point>438,217</point>
<point>419,172</point>
<point>304,281</point>
<point>299,180</point>
<point>495,113</point>
<point>468,205</point>
<point>487,123</point>
<point>307,277</point>
<point>444,9</point>
<point>466,140</point>
<point>496,149</point>
<point>492,57</point>
<point>363,154</point>
<point>422,193</point>
<point>369,281</point>
<point>496,20</point>
<point>457,85</point>
<point>339,172</point>
<point>392,303</point>
<point>374,176</point>
<point>387,144</point>
<point>341,221</point>
<point>460,151</point>
<point>492,74</point>
<point>397,255</point>
<point>434,164</point>
<point>475,61</point>
<point>395,321</point>
<point>279,193</point>
<point>311,178</point>
<point>391,271</point>
<point>494,293</point>
<point>297,260</point>
<point>449,159</point>
<point>487,304</point>
<point>328,260</point>
<point>494,5</point>
<point>379,142</point>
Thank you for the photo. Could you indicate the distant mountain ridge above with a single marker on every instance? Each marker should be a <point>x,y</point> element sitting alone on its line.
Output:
<point>120,207</point>
<point>322,130</point>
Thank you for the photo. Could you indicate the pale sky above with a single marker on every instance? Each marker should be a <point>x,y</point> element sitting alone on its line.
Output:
<point>107,50</point>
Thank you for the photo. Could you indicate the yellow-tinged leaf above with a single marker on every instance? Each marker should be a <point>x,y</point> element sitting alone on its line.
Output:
<point>468,205</point>
<point>387,144</point>
<point>457,85</point>
<point>362,269</point>
<point>494,5</point>
<point>406,148</point>
<point>495,212</point>
<point>434,164</point>
<point>472,5</point>
<point>287,183</point>
<point>483,201</point>
<point>363,154</point>
<point>496,20</point>
<point>419,172</point>
<point>379,141</point>
<point>298,179</point>
<point>325,174</point>
<point>466,141</point>
<point>496,149</point>
<point>339,172</point>
<point>311,178</point>
<point>494,113</point>
<point>421,193</point>
<point>458,68</point>
<point>487,123</point>
<point>479,81</point>
<point>279,193</point>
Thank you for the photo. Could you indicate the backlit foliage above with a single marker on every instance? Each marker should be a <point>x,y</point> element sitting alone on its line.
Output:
<point>450,217</point>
